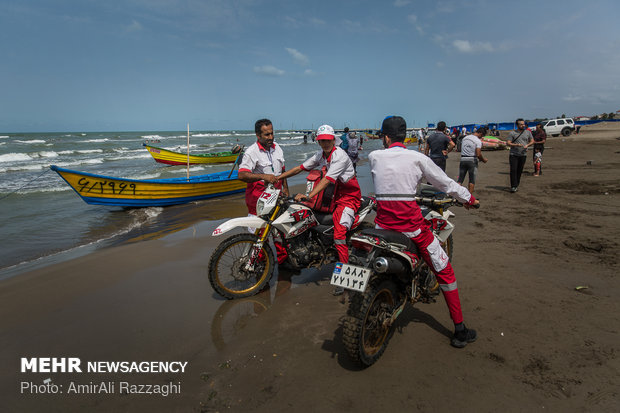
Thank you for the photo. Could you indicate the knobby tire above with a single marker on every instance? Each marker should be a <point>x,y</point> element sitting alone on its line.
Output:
<point>225,275</point>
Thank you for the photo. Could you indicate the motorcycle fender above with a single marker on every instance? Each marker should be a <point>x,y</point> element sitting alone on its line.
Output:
<point>448,214</point>
<point>252,222</point>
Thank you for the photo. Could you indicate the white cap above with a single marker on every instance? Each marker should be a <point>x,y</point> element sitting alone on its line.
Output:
<point>325,132</point>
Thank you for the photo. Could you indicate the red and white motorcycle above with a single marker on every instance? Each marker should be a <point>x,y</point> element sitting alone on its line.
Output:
<point>243,263</point>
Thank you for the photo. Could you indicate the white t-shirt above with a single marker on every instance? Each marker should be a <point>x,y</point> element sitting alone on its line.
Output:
<point>339,165</point>
<point>469,145</point>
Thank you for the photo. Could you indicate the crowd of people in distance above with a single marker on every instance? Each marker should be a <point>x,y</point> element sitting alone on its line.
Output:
<point>444,140</point>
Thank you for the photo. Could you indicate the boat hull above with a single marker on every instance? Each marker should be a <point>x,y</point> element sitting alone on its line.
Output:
<point>105,190</point>
<point>176,158</point>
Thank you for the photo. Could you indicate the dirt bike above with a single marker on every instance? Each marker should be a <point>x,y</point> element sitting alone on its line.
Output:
<point>243,263</point>
<point>385,271</point>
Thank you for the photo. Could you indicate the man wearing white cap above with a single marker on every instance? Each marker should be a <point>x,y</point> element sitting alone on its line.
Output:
<point>340,172</point>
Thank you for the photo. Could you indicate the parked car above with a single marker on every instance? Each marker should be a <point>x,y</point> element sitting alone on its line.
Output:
<point>555,127</point>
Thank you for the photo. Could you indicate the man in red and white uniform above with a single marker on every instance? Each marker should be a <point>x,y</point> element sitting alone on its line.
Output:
<point>262,163</point>
<point>340,172</point>
<point>396,173</point>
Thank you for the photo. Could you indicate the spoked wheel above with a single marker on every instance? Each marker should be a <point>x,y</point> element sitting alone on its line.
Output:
<point>448,247</point>
<point>366,333</point>
<point>229,274</point>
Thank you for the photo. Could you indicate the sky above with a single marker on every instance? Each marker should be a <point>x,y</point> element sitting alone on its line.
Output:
<point>157,65</point>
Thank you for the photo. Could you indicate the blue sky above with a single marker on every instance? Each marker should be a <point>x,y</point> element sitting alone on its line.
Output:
<point>82,65</point>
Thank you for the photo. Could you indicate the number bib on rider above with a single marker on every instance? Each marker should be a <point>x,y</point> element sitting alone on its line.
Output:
<point>350,277</point>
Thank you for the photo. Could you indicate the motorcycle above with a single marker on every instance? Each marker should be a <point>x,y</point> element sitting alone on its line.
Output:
<point>243,263</point>
<point>385,271</point>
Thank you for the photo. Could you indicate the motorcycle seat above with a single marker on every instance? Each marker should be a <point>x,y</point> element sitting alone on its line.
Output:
<point>324,219</point>
<point>393,237</point>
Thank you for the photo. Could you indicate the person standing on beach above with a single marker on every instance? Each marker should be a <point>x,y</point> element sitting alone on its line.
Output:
<point>518,141</point>
<point>540,137</point>
<point>340,172</point>
<point>396,173</point>
<point>471,152</point>
<point>262,163</point>
<point>353,150</point>
<point>343,141</point>
<point>438,145</point>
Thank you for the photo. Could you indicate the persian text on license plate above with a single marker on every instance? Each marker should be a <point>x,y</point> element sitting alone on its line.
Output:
<point>350,277</point>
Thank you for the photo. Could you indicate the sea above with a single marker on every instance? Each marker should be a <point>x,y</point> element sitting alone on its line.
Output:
<point>43,220</point>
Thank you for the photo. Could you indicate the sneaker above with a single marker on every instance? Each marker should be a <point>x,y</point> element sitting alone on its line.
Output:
<point>513,189</point>
<point>461,338</point>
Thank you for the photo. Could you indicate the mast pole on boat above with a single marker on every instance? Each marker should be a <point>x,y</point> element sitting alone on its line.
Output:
<point>188,151</point>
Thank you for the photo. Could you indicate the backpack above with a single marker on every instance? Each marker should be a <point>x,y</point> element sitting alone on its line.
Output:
<point>324,201</point>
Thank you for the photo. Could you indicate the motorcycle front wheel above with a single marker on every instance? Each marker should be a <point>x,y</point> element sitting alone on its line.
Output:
<point>365,331</point>
<point>227,273</point>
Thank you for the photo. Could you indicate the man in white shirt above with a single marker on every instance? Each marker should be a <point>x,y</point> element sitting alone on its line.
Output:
<point>340,172</point>
<point>471,152</point>
<point>396,173</point>
<point>262,163</point>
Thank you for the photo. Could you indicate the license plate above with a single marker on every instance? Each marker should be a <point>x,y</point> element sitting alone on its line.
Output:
<point>350,277</point>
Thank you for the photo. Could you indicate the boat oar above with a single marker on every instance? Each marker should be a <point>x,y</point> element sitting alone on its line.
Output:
<point>236,161</point>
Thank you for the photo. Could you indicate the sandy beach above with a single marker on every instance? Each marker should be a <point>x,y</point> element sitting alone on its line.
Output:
<point>543,344</point>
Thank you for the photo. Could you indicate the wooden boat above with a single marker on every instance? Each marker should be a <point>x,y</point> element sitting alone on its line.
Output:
<point>371,136</point>
<point>410,140</point>
<point>105,190</point>
<point>491,143</point>
<point>177,158</point>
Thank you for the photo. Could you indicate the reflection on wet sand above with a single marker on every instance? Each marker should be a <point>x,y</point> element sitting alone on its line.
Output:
<point>234,315</point>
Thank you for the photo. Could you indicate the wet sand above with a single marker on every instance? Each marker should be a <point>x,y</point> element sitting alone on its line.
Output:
<point>543,345</point>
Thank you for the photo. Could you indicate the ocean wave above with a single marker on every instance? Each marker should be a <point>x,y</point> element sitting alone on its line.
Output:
<point>48,154</point>
<point>96,140</point>
<point>146,176</point>
<point>3,137</point>
<point>145,214</point>
<point>210,135</point>
<point>33,141</point>
<point>121,158</point>
<point>80,162</point>
<point>14,157</point>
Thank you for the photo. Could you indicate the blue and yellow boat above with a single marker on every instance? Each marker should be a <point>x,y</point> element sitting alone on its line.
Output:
<point>106,190</point>
<point>177,158</point>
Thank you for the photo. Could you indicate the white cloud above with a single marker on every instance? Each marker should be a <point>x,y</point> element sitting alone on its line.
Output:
<point>268,70</point>
<point>309,72</point>
<point>300,58</point>
<point>572,98</point>
<point>317,22</point>
<point>465,46</point>
<point>135,26</point>
<point>440,64</point>
<point>401,3</point>
<point>412,18</point>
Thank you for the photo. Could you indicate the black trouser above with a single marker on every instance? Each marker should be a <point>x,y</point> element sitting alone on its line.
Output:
<point>516,169</point>
<point>440,162</point>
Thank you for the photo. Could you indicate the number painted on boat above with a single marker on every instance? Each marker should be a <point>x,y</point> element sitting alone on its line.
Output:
<point>101,187</point>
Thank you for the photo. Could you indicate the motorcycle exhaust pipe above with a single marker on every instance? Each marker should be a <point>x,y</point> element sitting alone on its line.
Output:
<point>391,265</point>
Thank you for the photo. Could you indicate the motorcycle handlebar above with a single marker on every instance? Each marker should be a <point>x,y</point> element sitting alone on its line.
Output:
<point>442,202</point>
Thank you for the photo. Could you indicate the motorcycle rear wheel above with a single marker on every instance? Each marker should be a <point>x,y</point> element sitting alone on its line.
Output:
<point>226,267</point>
<point>365,334</point>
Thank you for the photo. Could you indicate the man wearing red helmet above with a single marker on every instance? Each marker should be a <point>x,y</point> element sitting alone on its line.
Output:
<point>396,173</point>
